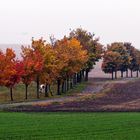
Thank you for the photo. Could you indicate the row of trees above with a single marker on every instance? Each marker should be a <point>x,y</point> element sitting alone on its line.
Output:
<point>64,62</point>
<point>121,57</point>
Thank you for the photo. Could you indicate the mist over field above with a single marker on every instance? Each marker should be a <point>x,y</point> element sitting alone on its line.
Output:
<point>15,47</point>
<point>111,20</point>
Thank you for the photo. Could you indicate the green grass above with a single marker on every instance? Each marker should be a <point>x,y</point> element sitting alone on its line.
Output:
<point>76,89</point>
<point>19,92</point>
<point>69,126</point>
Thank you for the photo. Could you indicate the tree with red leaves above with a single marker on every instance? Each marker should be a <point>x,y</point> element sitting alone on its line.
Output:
<point>9,74</point>
<point>33,64</point>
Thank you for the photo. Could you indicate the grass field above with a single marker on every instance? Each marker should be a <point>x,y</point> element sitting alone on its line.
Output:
<point>69,126</point>
<point>19,92</point>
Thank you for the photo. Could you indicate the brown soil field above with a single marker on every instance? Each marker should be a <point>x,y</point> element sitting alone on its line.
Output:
<point>122,97</point>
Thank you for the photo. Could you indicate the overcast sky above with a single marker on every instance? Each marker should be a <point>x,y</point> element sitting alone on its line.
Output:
<point>111,20</point>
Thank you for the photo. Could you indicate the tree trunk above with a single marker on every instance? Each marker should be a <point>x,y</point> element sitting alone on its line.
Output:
<point>80,73</point>
<point>127,73</point>
<point>112,75</point>
<point>11,93</point>
<point>131,73</point>
<point>58,87</point>
<point>83,73</point>
<point>77,75</point>
<point>74,79</point>
<point>71,82</point>
<point>122,74</point>
<point>37,90</point>
<point>137,73</point>
<point>86,76</point>
<point>67,83</point>
<point>115,74</point>
<point>26,91</point>
<point>63,87</point>
<point>46,90</point>
<point>49,87</point>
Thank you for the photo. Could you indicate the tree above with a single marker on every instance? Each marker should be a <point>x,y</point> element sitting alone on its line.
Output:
<point>93,47</point>
<point>71,58</point>
<point>111,61</point>
<point>9,73</point>
<point>50,71</point>
<point>132,52</point>
<point>32,57</point>
<point>124,56</point>
<point>2,67</point>
<point>25,69</point>
<point>137,62</point>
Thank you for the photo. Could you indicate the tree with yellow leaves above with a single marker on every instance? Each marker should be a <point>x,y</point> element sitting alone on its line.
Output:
<point>71,58</point>
<point>91,45</point>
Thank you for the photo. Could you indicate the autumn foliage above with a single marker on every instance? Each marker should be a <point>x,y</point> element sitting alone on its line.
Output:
<point>65,62</point>
<point>121,56</point>
<point>91,45</point>
<point>49,63</point>
<point>9,74</point>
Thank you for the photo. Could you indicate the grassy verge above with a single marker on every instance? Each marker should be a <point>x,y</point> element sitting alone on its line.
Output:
<point>69,126</point>
<point>76,89</point>
<point>19,93</point>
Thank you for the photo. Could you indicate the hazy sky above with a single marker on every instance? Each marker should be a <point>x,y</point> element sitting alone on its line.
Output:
<point>111,20</point>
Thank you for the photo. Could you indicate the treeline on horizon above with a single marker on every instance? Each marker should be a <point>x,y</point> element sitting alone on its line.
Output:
<point>65,62</point>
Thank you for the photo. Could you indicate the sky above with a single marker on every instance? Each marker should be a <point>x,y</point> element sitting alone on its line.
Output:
<point>111,20</point>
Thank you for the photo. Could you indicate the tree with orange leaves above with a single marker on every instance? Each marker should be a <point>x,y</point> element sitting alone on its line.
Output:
<point>125,58</point>
<point>25,69</point>
<point>116,58</point>
<point>9,75</point>
<point>91,45</point>
<point>2,67</point>
<point>33,63</point>
<point>71,60</point>
<point>137,68</point>
<point>111,61</point>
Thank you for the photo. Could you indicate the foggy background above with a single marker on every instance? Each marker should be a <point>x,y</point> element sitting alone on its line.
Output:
<point>111,20</point>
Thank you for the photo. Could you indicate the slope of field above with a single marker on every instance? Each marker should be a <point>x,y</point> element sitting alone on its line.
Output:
<point>121,97</point>
<point>69,126</point>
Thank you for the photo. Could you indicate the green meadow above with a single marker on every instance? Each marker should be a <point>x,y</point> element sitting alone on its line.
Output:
<point>69,126</point>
